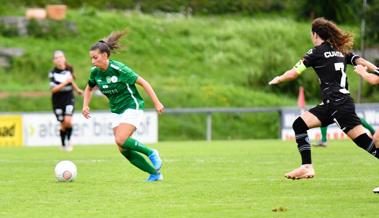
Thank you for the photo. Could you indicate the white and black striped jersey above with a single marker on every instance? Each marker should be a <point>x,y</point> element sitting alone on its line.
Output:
<point>330,66</point>
<point>64,96</point>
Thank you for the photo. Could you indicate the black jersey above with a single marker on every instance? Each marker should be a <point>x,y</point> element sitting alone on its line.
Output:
<point>64,96</point>
<point>330,66</point>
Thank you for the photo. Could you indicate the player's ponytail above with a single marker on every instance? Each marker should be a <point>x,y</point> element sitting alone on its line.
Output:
<point>328,31</point>
<point>109,44</point>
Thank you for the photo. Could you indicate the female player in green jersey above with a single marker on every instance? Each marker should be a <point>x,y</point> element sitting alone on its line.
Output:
<point>118,83</point>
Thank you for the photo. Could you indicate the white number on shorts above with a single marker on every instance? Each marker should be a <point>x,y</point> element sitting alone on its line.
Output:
<point>69,109</point>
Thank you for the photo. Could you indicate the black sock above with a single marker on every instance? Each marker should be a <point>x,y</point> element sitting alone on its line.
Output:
<point>302,140</point>
<point>366,143</point>
<point>68,133</point>
<point>63,137</point>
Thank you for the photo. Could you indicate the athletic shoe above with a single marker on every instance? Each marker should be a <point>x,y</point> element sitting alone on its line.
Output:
<point>155,177</point>
<point>376,190</point>
<point>321,144</point>
<point>156,160</point>
<point>305,171</point>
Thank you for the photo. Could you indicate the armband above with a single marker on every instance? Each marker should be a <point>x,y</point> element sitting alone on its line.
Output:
<point>300,67</point>
<point>91,84</point>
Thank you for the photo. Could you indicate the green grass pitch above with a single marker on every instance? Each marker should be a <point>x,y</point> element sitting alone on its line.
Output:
<point>217,179</point>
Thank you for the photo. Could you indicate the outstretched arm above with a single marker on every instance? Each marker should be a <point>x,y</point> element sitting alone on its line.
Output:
<point>372,78</point>
<point>86,100</point>
<point>370,66</point>
<point>76,88</point>
<point>287,76</point>
<point>150,92</point>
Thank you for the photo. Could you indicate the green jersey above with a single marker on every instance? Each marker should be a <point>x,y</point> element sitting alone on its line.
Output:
<point>118,84</point>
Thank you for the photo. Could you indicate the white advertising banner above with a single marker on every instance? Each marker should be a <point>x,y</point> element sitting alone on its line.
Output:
<point>42,129</point>
<point>370,112</point>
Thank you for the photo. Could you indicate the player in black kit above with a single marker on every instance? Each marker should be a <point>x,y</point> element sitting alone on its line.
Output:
<point>62,86</point>
<point>328,58</point>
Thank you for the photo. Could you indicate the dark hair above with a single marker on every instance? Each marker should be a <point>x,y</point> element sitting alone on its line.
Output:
<point>328,31</point>
<point>109,44</point>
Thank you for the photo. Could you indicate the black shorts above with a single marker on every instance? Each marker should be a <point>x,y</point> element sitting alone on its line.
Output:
<point>341,113</point>
<point>62,111</point>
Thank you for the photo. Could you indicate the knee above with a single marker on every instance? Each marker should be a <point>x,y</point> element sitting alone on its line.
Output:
<point>120,140</point>
<point>66,124</point>
<point>299,125</point>
<point>375,137</point>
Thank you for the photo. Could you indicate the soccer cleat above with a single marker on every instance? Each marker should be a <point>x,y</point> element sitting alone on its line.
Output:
<point>321,144</point>
<point>303,172</point>
<point>156,160</point>
<point>376,190</point>
<point>155,177</point>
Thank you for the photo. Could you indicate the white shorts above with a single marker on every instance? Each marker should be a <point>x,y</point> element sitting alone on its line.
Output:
<point>130,116</point>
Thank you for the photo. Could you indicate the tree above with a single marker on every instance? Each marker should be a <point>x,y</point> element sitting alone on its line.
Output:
<point>340,11</point>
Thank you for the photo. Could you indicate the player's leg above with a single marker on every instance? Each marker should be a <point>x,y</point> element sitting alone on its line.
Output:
<point>68,112</point>
<point>323,141</point>
<point>131,149</point>
<point>67,126</point>
<point>346,118</point>
<point>376,141</point>
<point>123,139</point>
<point>363,140</point>
<point>367,126</point>
<point>62,134</point>
<point>59,114</point>
<point>137,160</point>
<point>300,126</point>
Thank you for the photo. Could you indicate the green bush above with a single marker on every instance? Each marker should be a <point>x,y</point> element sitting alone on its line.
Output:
<point>51,29</point>
<point>8,31</point>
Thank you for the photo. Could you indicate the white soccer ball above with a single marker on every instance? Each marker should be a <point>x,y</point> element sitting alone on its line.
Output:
<point>376,190</point>
<point>65,171</point>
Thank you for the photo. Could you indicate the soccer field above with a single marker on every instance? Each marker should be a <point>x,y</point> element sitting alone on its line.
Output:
<point>217,179</point>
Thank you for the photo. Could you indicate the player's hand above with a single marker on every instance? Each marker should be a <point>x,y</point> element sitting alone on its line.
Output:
<point>359,69</point>
<point>69,79</point>
<point>85,112</point>
<point>159,107</point>
<point>80,92</point>
<point>275,81</point>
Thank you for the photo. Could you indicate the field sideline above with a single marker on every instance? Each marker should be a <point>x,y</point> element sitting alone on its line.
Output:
<point>217,179</point>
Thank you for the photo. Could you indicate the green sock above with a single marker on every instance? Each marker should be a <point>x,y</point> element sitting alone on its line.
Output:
<point>135,145</point>
<point>323,133</point>
<point>138,160</point>
<point>367,126</point>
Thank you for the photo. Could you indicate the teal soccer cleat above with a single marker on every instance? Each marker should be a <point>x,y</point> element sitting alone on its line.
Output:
<point>155,177</point>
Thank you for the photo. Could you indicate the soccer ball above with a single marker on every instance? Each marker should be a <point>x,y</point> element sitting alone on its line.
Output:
<point>65,171</point>
<point>376,190</point>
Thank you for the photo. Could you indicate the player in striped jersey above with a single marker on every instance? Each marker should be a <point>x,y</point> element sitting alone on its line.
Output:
<point>118,83</point>
<point>62,86</point>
